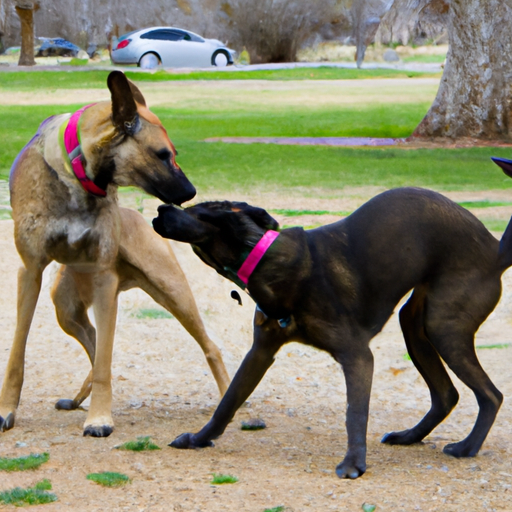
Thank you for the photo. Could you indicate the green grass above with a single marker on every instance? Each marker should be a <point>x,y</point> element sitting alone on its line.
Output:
<point>280,508</point>
<point>109,479</point>
<point>153,313</point>
<point>95,79</point>
<point>425,59</point>
<point>484,204</point>
<point>495,225</point>
<point>36,495</point>
<point>496,345</point>
<point>5,214</point>
<point>385,120</point>
<point>233,167</point>
<point>407,357</point>
<point>300,213</point>
<point>218,479</point>
<point>141,444</point>
<point>32,461</point>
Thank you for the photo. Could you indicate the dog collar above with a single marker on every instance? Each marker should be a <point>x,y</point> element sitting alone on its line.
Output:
<point>282,322</point>
<point>254,257</point>
<point>69,138</point>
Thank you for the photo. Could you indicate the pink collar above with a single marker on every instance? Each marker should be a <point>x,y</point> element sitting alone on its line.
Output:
<point>255,255</point>
<point>73,150</point>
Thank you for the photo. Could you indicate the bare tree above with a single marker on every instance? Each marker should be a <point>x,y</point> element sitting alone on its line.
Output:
<point>412,21</point>
<point>475,95</point>
<point>273,30</point>
<point>366,16</point>
<point>25,11</point>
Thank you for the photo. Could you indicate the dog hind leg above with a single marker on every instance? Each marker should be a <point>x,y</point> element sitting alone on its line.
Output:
<point>443,394</point>
<point>452,319</point>
<point>71,305</point>
<point>29,286</point>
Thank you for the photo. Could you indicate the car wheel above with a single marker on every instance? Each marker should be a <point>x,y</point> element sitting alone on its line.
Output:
<point>149,61</point>
<point>220,59</point>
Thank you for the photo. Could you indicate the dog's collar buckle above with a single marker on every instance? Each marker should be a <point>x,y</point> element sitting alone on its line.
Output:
<point>258,251</point>
<point>69,139</point>
<point>282,322</point>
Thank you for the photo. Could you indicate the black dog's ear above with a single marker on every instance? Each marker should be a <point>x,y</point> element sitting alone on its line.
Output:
<point>258,215</point>
<point>124,108</point>
<point>505,164</point>
<point>179,225</point>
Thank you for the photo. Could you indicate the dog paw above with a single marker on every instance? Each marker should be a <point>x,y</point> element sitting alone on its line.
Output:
<point>349,469</point>
<point>66,404</point>
<point>7,423</point>
<point>460,450</point>
<point>404,437</point>
<point>101,431</point>
<point>188,441</point>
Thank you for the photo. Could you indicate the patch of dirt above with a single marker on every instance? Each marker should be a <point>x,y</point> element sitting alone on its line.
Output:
<point>162,387</point>
<point>239,94</point>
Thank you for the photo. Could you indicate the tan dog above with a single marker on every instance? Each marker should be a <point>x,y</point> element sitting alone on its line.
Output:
<point>65,209</point>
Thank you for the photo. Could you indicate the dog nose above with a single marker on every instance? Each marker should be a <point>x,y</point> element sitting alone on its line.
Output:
<point>187,194</point>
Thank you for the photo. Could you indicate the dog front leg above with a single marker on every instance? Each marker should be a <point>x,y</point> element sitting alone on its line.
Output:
<point>253,368</point>
<point>99,421</point>
<point>29,285</point>
<point>358,370</point>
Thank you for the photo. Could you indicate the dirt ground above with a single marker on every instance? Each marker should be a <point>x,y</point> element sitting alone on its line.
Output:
<point>162,387</point>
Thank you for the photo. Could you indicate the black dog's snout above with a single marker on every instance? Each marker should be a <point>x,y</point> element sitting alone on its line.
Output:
<point>164,208</point>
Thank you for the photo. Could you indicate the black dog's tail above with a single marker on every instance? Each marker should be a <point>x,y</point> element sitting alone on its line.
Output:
<point>505,250</point>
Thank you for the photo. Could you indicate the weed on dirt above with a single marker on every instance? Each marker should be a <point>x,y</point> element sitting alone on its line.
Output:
<point>153,313</point>
<point>142,444</point>
<point>109,479</point>
<point>36,495</point>
<point>219,478</point>
<point>32,461</point>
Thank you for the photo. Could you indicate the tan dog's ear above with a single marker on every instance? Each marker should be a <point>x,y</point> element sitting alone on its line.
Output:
<point>124,109</point>
<point>137,95</point>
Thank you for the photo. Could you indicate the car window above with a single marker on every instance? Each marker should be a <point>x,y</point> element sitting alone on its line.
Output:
<point>195,38</point>
<point>164,35</point>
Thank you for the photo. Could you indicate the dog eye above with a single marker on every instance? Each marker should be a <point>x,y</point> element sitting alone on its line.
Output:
<point>163,154</point>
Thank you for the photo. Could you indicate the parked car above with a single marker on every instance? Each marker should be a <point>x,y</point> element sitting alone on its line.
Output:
<point>56,46</point>
<point>170,47</point>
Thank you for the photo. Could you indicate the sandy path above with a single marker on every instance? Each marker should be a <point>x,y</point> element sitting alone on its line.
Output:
<point>162,387</point>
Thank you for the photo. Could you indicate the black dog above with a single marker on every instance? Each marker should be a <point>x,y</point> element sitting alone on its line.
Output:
<point>336,286</point>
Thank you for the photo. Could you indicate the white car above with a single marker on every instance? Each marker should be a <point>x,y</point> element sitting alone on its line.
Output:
<point>170,47</point>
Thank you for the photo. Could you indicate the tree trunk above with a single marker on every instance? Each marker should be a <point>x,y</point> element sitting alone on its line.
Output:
<point>26,13</point>
<point>475,95</point>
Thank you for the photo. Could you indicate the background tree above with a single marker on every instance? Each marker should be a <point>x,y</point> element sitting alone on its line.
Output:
<point>413,22</point>
<point>273,30</point>
<point>475,95</point>
<point>366,16</point>
<point>25,11</point>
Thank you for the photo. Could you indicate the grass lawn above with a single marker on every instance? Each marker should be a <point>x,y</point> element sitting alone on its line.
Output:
<point>71,79</point>
<point>222,166</point>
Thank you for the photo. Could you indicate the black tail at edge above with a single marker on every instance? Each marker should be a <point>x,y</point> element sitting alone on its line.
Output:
<point>505,250</point>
